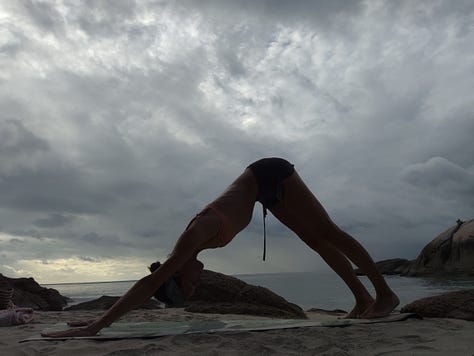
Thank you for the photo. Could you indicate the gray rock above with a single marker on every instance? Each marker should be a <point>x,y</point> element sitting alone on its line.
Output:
<point>222,294</point>
<point>29,294</point>
<point>450,253</point>
<point>456,305</point>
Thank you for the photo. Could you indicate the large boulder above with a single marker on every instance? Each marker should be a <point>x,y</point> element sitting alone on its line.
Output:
<point>456,305</point>
<point>28,293</point>
<point>222,294</point>
<point>450,253</point>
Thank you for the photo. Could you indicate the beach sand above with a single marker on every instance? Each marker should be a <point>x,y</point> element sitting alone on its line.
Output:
<point>409,337</point>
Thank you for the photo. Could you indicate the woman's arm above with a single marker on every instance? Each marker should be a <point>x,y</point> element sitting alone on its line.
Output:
<point>136,296</point>
<point>187,246</point>
<point>142,290</point>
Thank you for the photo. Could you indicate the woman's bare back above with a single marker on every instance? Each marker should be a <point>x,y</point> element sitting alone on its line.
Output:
<point>237,200</point>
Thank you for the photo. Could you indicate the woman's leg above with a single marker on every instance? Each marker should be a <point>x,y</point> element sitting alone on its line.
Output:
<point>335,259</point>
<point>309,212</point>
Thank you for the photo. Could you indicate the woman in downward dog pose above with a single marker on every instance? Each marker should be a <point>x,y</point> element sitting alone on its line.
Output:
<point>277,186</point>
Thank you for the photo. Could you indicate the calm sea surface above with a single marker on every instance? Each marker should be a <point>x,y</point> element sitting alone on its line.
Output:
<point>307,289</point>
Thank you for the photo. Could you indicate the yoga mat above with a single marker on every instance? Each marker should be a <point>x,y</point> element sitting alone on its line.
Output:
<point>145,330</point>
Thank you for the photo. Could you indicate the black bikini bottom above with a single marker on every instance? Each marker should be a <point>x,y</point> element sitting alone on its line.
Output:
<point>270,173</point>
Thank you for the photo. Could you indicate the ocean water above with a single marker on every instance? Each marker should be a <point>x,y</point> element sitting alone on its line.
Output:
<point>307,289</point>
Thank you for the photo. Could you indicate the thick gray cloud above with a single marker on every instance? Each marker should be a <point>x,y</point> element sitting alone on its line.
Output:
<point>54,220</point>
<point>121,119</point>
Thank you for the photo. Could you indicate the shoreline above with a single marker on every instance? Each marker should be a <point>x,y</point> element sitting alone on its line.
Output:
<point>430,336</point>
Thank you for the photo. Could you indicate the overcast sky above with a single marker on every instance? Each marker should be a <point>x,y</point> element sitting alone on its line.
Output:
<point>120,120</point>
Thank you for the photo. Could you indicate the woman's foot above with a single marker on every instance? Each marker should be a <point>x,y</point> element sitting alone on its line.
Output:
<point>360,307</point>
<point>382,306</point>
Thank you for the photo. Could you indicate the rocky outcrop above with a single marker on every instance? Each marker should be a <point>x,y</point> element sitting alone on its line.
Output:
<point>450,253</point>
<point>29,294</point>
<point>222,294</point>
<point>389,267</point>
<point>105,302</point>
<point>456,305</point>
